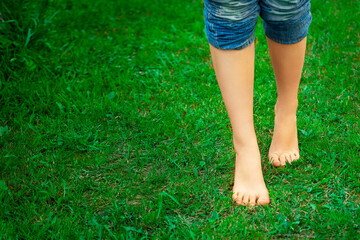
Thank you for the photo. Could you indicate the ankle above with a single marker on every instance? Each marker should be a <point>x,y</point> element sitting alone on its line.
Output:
<point>286,106</point>
<point>245,143</point>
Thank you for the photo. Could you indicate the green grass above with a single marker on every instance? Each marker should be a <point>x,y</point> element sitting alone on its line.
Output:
<point>113,127</point>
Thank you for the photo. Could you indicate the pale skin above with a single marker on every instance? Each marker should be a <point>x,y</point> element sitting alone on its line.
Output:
<point>234,70</point>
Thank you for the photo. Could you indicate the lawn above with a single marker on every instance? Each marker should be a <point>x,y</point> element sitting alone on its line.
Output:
<point>112,126</point>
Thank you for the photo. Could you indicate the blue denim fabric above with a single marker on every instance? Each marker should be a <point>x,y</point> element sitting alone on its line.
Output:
<point>230,24</point>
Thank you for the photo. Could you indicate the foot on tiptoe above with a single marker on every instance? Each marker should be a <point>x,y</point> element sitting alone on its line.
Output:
<point>249,186</point>
<point>284,145</point>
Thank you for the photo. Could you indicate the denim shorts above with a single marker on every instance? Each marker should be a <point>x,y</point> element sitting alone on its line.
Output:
<point>230,24</point>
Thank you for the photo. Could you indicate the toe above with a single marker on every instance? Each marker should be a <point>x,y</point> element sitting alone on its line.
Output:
<point>288,157</point>
<point>283,160</point>
<point>237,197</point>
<point>246,199</point>
<point>293,157</point>
<point>297,155</point>
<point>252,200</point>
<point>264,199</point>
<point>274,160</point>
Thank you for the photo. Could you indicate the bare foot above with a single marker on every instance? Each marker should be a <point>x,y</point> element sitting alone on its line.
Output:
<point>284,145</point>
<point>249,186</point>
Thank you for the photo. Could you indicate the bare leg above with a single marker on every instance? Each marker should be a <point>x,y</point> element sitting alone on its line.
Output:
<point>287,61</point>
<point>235,74</point>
